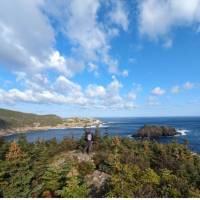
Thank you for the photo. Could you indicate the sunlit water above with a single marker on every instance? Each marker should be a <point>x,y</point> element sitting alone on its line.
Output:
<point>189,128</point>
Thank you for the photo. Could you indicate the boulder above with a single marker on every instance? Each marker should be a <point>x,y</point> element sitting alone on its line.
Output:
<point>152,131</point>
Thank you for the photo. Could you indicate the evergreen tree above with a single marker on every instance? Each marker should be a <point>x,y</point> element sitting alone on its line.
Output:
<point>74,187</point>
<point>18,173</point>
<point>51,180</point>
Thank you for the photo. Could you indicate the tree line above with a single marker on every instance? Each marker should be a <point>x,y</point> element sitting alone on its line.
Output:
<point>135,168</point>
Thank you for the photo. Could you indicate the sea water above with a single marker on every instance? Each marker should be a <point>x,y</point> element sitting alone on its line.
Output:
<point>188,127</point>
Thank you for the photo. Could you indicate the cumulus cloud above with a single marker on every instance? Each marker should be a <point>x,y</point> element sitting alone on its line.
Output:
<point>132,95</point>
<point>39,97</point>
<point>67,92</point>
<point>67,66</point>
<point>158,17</point>
<point>158,91</point>
<point>115,85</point>
<point>83,29</point>
<point>188,85</point>
<point>24,44</point>
<point>65,86</point>
<point>31,47</point>
<point>95,91</point>
<point>119,14</point>
<point>78,21</point>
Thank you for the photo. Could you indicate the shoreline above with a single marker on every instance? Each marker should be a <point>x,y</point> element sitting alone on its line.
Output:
<point>9,132</point>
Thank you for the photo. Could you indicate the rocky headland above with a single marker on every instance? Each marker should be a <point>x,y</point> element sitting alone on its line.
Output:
<point>153,131</point>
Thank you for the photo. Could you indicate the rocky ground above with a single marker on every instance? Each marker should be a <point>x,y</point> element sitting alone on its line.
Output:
<point>96,178</point>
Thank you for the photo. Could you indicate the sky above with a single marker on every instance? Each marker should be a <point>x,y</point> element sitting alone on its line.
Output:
<point>100,58</point>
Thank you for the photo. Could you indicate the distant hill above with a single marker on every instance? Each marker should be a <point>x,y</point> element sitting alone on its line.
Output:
<point>12,119</point>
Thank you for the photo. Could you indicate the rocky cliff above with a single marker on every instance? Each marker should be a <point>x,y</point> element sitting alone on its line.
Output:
<point>153,131</point>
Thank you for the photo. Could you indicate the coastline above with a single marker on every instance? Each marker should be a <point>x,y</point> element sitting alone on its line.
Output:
<point>7,132</point>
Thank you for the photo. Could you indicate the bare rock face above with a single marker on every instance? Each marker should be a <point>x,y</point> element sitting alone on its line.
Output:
<point>153,131</point>
<point>79,157</point>
<point>98,182</point>
<point>97,178</point>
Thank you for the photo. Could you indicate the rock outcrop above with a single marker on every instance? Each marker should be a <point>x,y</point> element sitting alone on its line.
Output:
<point>96,178</point>
<point>152,131</point>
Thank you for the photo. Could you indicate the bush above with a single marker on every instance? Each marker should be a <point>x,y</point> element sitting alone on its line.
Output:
<point>85,168</point>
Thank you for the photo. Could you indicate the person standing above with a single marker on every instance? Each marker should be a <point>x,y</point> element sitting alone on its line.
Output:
<point>89,141</point>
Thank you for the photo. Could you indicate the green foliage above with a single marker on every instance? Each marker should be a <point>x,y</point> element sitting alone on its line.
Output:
<point>17,171</point>
<point>133,168</point>
<point>85,167</point>
<point>51,179</point>
<point>74,188</point>
<point>101,162</point>
<point>14,119</point>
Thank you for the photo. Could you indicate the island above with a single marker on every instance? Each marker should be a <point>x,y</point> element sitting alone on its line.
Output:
<point>153,131</point>
<point>19,122</point>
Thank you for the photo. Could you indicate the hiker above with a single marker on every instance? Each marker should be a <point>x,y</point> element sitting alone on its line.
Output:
<point>89,140</point>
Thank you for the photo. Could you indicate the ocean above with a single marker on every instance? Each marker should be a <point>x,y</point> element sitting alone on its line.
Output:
<point>188,127</point>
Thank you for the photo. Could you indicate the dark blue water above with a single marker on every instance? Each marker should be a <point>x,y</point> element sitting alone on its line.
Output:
<point>189,126</point>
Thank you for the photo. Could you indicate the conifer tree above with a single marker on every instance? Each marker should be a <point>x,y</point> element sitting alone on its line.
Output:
<point>18,173</point>
<point>74,189</point>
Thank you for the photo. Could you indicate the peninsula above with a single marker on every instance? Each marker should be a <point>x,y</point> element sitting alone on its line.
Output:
<point>18,122</point>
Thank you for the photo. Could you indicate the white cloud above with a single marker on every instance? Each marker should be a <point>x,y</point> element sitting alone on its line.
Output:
<point>40,97</point>
<point>93,68</point>
<point>31,47</point>
<point>95,91</point>
<point>28,48</point>
<point>132,96</point>
<point>158,17</point>
<point>36,82</point>
<point>175,89</point>
<point>133,93</point>
<point>158,91</point>
<point>67,92</point>
<point>83,29</point>
<point>90,39</point>
<point>125,73</point>
<point>115,85</point>
<point>113,32</point>
<point>111,63</point>
<point>119,14</point>
<point>67,66</point>
<point>188,85</point>
<point>24,45</point>
<point>64,85</point>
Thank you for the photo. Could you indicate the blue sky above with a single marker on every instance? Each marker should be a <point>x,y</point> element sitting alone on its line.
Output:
<point>97,58</point>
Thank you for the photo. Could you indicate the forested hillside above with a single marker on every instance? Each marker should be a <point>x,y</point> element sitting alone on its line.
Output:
<point>14,119</point>
<point>117,167</point>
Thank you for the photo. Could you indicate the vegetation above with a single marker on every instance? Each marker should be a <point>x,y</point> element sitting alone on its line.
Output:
<point>13,119</point>
<point>134,168</point>
<point>21,122</point>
